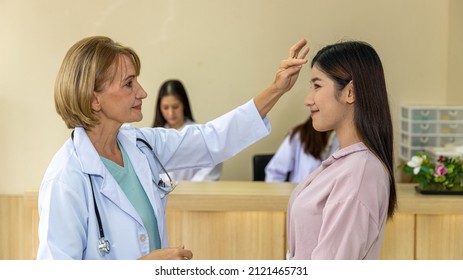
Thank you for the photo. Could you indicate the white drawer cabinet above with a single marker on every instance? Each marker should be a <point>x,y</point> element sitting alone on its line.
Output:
<point>429,126</point>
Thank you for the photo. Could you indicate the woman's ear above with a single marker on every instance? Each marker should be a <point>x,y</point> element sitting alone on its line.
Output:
<point>96,106</point>
<point>350,96</point>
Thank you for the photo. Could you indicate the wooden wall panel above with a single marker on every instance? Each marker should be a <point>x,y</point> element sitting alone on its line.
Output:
<point>399,238</point>
<point>12,227</point>
<point>243,235</point>
<point>439,237</point>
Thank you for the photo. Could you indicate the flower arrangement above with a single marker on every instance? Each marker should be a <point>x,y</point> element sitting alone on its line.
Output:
<point>445,173</point>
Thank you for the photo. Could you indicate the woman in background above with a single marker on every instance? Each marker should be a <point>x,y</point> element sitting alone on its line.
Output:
<point>301,152</point>
<point>173,111</point>
<point>340,210</point>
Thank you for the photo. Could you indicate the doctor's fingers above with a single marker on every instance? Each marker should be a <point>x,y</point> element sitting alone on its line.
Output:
<point>180,253</point>
<point>298,50</point>
<point>290,66</point>
<point>287,74</point>
<point>187,254</point>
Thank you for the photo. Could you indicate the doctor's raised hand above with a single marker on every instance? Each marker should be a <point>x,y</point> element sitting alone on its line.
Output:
<point>102,197</point>
<point>286,77</point>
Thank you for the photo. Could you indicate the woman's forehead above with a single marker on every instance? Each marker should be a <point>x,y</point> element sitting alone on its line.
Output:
<point>123,67</point>
<point>170,99</point>
<point>318,75</point>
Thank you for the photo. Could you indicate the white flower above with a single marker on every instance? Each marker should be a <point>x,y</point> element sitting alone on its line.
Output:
<point>415,163</point>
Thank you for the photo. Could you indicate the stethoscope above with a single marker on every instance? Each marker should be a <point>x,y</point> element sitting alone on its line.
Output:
<point>162,186</point>
<point>104,246</point>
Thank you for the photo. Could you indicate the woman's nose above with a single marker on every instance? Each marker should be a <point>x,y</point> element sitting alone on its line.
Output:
<point>308,101</point>
<point>141,93</point>
<point>170,112</point>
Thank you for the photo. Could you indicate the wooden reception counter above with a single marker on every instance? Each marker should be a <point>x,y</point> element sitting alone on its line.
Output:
<point>247,220</point>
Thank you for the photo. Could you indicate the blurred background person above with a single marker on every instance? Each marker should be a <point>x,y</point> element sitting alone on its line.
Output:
<point>173,111</point>
<point>300,153</point>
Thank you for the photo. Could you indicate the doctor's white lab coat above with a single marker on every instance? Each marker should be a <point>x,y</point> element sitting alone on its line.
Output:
<point>68,227</point>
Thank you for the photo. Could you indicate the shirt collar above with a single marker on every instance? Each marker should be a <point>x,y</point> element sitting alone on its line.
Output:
<point>354,148</point>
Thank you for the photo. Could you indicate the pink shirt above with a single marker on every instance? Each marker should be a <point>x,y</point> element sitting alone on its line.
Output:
<point>340,210</point>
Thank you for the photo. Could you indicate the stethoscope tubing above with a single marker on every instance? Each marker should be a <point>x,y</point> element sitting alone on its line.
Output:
<point>103,244</point>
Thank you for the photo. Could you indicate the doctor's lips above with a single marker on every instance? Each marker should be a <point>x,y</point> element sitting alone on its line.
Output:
<point>313,110</point>
<point>138,107</point>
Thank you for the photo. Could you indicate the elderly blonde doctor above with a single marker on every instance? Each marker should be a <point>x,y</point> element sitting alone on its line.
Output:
<point>101,196</point>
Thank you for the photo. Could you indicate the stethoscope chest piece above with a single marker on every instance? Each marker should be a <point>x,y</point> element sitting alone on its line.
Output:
<point>103,247</point>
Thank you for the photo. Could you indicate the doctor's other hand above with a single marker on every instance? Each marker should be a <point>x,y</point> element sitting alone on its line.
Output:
<point>172,253</point>
<point>289,69</point>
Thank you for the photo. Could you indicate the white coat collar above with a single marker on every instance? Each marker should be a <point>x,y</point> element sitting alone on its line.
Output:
<point>91,164</point>
<point>87,153</point>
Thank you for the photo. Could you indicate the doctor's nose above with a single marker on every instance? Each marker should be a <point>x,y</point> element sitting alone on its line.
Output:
<point>141,94</point>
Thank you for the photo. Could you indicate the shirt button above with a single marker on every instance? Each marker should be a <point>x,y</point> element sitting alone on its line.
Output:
<point>142,238</point>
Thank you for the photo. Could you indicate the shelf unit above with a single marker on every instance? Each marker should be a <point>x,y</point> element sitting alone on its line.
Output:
<point>424,127</point>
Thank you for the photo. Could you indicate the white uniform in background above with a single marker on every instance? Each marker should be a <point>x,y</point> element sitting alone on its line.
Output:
<point>194,174</point>
<point>291,158</point>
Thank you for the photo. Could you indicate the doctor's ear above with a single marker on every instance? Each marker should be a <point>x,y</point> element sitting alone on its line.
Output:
<point>96,106</point>
<point>350,97</point>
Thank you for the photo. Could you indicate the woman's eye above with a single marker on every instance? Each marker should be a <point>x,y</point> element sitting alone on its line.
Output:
<point>129,84</point>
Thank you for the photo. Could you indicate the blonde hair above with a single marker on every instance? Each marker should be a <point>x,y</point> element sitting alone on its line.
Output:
<point>87,66</point>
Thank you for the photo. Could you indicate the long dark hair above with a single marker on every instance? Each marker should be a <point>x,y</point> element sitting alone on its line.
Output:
<point>314,142</point>
<point>358,62</point>
<point>174,88</point>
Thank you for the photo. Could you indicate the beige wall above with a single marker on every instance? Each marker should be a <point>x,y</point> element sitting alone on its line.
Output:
<point>225,51</point>
<point>455,56</point>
